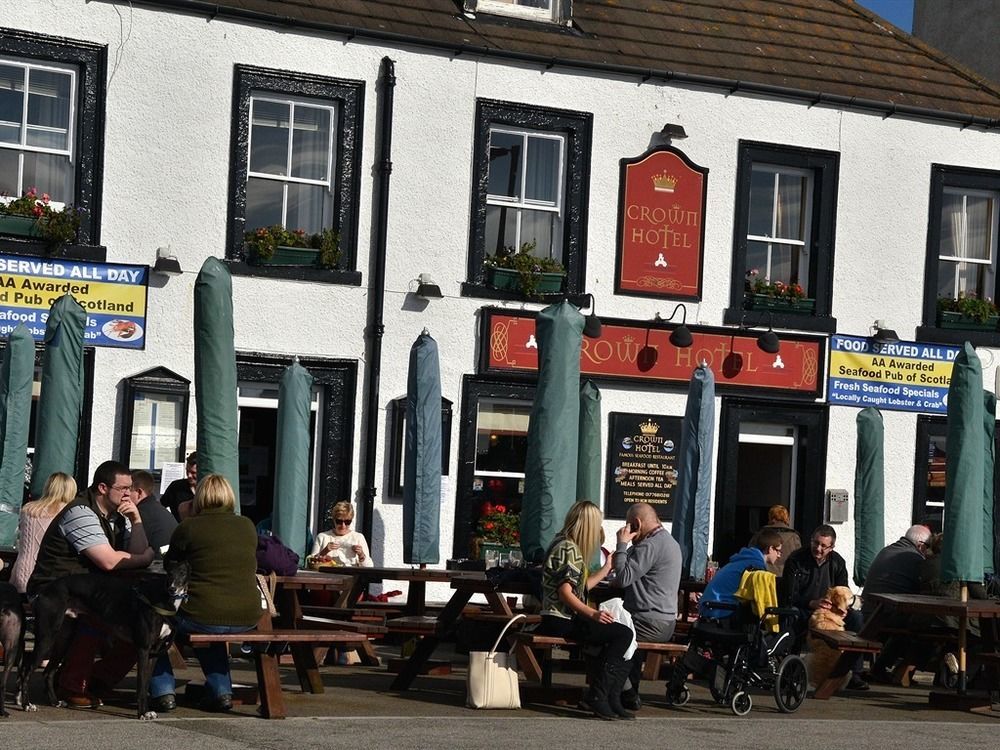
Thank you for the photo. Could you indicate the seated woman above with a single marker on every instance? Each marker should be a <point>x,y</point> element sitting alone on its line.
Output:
<point>223,597</point>
<point>34,520</point>
<point>340,545</point>
<point>566,579</point>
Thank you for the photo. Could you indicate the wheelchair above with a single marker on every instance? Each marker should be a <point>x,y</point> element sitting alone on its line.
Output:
<point>739,654</point>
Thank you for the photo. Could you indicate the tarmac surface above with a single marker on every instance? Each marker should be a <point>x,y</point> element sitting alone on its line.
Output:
<point>359,710</point>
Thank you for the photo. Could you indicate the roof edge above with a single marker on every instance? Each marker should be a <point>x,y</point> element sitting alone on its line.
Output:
<point>214,10</point>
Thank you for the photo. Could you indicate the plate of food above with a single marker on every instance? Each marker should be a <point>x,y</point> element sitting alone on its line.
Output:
<point>122,330</point>
<point>315,563</point>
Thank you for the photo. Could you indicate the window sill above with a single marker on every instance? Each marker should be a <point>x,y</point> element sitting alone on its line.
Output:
<point>932,334</point>
<point>788,321</point>
<point>472,289</point>
<point>36,248</point>
<point>296,273</point>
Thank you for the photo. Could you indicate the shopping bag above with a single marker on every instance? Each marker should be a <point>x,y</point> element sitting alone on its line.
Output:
<point>492,680</point>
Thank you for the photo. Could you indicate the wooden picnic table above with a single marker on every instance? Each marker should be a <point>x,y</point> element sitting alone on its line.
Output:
<point>416,578</point>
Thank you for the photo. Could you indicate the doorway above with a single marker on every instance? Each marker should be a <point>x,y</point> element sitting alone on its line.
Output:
<point>768,454</point>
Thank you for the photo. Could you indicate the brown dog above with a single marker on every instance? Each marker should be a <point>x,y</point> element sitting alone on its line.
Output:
<point>822,657</point>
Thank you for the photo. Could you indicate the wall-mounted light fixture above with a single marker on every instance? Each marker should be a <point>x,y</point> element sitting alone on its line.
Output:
<point>592,324</point>
<point>768,341</point>
<point>681,336</point>
<point>426,288</point>
<point>672,132</point>
<point>166,263</point>
<point>880,335</point>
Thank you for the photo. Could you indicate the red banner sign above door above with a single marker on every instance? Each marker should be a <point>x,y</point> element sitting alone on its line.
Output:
<point>661,227</point>
<point>638,351</point>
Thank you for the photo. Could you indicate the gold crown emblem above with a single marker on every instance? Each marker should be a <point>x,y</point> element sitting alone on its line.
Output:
<point>649,427</point>
<point>664,183</point>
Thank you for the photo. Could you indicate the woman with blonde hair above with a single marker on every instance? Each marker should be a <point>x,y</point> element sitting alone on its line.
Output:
<point>566,579</point>
<point>222,595</point>
<point>340,544</point>
<point>34,520</point>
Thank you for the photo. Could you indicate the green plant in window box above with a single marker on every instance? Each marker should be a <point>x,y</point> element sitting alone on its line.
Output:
<point>32,215</point>
<point>968,310</point>
<point>524,271</point>
<point>275,245</point>
<point>764,294</point>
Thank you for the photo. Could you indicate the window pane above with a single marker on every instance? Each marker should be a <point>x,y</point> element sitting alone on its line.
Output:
<point>501,228</point>
<point>53,139</point>
<point>8,172</point>
<point>757,257</point>
<point>263,202</point>
<point>49,173</point>
<point>946,279</point>
<point>502,436</point>
<point>11,103</point>
<point>311,143</point>
<point>48,102</point>
<point>269,138</point>
<point>979,215</point>
<point>781,262</point>
<point>542,179</point>
<point>952,225</point>
<point>761,203</point>
<point>308,206</point>
<point>791,211</point>
<point>505,164</point>
<point>540,227</point>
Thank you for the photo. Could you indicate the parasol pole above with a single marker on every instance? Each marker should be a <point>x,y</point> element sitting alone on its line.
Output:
<point>963,623</point>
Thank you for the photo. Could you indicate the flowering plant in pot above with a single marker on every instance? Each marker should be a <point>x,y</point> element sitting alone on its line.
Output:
<point>265,243</point>
<point>968,305</point>
<point>534,274</point>
<point>775,295</point>
<point>33,215</point>
<point>498,525</point>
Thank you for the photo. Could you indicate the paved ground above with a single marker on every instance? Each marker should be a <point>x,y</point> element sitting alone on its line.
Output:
<point>359,708</point>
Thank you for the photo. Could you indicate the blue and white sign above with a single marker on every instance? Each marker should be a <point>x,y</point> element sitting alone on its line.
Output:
<point>908,376</point>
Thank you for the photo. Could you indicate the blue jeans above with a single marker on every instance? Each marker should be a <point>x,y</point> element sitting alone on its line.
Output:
<point>214,660</point>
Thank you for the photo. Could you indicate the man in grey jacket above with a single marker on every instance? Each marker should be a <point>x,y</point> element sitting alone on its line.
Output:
<point>649,572</point>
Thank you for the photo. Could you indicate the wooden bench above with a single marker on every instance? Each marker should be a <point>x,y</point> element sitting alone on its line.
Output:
<point>655,653</point>
<point>270,645</point>
<point>847,643</point>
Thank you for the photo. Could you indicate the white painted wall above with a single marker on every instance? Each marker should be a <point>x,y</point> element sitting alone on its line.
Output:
<point>166,175</point>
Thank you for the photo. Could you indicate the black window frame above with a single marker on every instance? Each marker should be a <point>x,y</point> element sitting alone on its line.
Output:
<point>578,129</point>
<point>349,97</point>
<point>946,176</point>
<point>90,61</point>
<point>825,166</point>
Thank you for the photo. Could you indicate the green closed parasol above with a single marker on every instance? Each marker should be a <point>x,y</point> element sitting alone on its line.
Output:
<point>17,372</point>
<point>291,465</point>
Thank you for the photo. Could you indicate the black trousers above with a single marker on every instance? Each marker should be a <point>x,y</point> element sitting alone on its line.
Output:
<point>613,638</point>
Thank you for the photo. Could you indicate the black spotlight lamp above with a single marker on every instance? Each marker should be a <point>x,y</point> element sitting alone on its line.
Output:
<point>592,324</point>
<point>426,288</point>
<point>673,132</point>
<point>768,341</point>
<point>681,336</point>
<point>882,335</point>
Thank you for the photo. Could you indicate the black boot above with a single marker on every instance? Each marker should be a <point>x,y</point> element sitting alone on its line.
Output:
<point>596,698</point>
<point>618,669</point>
<point>630,697</point>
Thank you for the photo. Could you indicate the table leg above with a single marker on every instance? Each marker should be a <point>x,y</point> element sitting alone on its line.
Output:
<point>306,667</point>
<point>416,597</point>
<point>272,703</point>
<point>426,646</point>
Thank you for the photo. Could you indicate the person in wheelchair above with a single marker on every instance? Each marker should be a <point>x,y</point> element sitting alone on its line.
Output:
<point>765,551</point>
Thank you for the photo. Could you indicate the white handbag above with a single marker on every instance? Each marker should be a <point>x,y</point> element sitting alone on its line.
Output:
<point>492,680</point>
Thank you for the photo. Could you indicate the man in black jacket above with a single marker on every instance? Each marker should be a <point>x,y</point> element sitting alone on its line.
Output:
<point>809,573</point>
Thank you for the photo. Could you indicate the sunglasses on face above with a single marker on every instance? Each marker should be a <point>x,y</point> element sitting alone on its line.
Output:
<point>342,522</point>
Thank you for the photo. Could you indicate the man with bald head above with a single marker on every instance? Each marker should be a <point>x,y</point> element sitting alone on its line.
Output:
<point>649,572</point>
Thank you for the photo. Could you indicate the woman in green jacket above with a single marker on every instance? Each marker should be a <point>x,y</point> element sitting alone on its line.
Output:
<point>221,548</point>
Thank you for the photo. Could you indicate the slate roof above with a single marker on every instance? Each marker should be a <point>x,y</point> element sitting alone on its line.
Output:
<point>813,49</point>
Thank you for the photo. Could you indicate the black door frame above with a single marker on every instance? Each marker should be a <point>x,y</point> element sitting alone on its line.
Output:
<point>810,478</point>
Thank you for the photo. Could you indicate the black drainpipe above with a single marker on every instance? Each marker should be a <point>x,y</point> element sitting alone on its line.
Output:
<point>375,329</point>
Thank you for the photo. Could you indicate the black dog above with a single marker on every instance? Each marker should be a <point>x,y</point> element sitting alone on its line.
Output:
<point>11,635</point>
<point>134,612</point>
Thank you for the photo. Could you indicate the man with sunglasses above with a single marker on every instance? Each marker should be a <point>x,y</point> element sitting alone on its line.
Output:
<point>809,573</point>
<point>101,531</point>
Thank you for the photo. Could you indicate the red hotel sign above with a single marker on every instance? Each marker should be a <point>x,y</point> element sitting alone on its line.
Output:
<point>661,227</point>
<point>630,351</point>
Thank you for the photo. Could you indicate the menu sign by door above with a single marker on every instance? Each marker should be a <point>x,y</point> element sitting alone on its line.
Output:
<point>642,463</point>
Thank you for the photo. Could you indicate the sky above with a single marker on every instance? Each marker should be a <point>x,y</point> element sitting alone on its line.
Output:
<point>897,12</point>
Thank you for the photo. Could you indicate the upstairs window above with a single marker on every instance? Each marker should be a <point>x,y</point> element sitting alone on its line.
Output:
<point>37,118</point>
<point>535,10</point>
<point>291,162</point>
<point>962,230</point>
<point>524,198</point>
<point>784,237</point>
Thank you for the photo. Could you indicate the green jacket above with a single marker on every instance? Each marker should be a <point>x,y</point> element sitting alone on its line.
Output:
<point>222,550</point>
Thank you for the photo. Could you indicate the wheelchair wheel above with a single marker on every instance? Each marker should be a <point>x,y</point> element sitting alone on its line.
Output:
<point>679,697</point>
<point>741,703</point>
<point>790,684</point>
